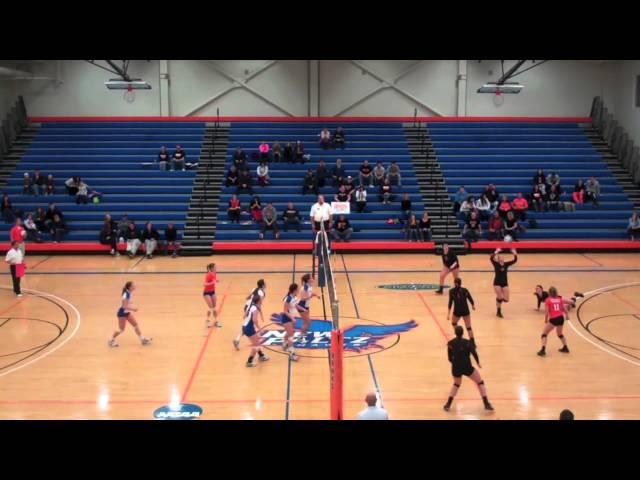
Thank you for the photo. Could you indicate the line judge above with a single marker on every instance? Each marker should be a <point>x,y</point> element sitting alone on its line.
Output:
<point>321,212</point>
<point>15,260</point>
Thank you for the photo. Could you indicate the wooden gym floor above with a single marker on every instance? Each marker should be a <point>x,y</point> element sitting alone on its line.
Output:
<point>55,362</point>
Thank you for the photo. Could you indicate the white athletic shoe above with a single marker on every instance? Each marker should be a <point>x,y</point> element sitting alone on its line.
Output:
<point>208,323</point>
<point>218,324</point>
<point>263,358</point>
<point>236,343</point>
<point>146,340</point>
<point>113,343</point>
<point>250,364</point>
<point>19,295</point>
<point>294,357</point>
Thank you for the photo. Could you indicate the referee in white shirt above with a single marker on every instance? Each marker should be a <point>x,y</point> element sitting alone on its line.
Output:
<point>321,212</point>
<point>373,412</point>
<point>14,257</point>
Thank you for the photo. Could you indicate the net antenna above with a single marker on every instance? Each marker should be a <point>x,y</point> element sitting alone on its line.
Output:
<point>326,278</point>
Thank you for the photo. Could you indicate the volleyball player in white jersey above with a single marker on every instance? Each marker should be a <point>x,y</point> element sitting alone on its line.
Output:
<point>259,290</point>
<point>304,304</point>
<point>288,319</point>
<point>251,329</point>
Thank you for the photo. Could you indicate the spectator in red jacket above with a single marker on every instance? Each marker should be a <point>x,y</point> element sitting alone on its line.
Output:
<point>520,207</point>
<point>496,228</point>
<point>504,207</point>
<point>578,192</point>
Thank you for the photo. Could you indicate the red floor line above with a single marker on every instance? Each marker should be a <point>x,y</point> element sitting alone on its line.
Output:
<point>202,350</point>
<point>628,302</point>
<point>592,260</point>
<point>15,304</point>
<point>435,319</point>
<point>40,262</point>
<point>318,400</point>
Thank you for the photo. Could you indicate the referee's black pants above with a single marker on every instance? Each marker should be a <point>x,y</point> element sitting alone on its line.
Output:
<point>15,279</point>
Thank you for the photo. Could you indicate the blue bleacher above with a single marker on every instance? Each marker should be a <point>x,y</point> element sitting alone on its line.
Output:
<point>112,157</point>
<point>384,141</point>
<point>508,155</point>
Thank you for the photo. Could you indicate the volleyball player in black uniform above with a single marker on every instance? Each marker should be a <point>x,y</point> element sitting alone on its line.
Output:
<point>449,265</point>
<point>460,350</point>
<point>541,296</point>
<point>458,298</point>
<point>500,280</point>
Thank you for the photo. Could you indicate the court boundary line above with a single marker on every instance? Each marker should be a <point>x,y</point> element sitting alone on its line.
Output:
<point>59,345</point>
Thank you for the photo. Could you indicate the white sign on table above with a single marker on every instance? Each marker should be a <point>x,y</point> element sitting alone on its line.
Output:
<point>340,208</point>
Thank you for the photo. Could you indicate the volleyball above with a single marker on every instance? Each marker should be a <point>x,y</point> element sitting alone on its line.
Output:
<point>508,238</point>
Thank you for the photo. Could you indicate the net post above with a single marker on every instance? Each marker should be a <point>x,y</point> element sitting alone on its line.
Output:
<point>335,361</point>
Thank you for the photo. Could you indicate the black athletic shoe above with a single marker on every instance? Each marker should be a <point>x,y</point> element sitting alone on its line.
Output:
<point>541,353</point>
<point>447,407</point>
<point>578,294</point>
<point>488,406</point>
<point>564,349</point>
<point>499,314</point>
<point>439,291</point>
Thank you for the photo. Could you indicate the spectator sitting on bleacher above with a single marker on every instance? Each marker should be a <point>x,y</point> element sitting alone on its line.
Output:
<point>385,193</point>
<point>150,236</point>
<point>263,173</point>
<point>40,219</point>
<point>393,174</point>
<point>538,199</point>
<point>82,195</point>
<point>365,175</point>
<point>291,216</point>
<point>472,228</point>
<point>483,206</point>
<point>343,229</point>
<point>325,138</point>
<point>33,234</point>
<point>52,211</point>
<point>163,158</point>
<point>553,199</point>
<point>467,206</point>
<point>109,234</point>
<point>240,160</point>
<point>132,236</point>
<point>412,229</point>
<point>496,227</point>
<point>321,174</point>
<point>277,152</point>
<point>28,188</point>
<point>505,206</point>
<point>244,183</point>
<point>51,186</point>
<point>405,207</point>
<point>309,183</point>
<point>287,154</point>
<point>342,195</point>
<point>255,209</point>
<point>425,227</point>
<point>298,150</point>
<point>263,148</point>
<point>539,177</point>
<point>361,199</point>
<point>492,195</point>
<point>338,173</point>
<point>234,210</point>
<point>633,228</point>
<point>232,177</point>
<point>460,196</point>
<point>270,221</point>
<point>40,183</point>
<point>593,191</point>
<point>338,138</point>
<point>57,227</point>
<point>553,179</point>
<point>179,159</point>
<point>378,174</point>
<point>520,207</point>
<point>171,237</point>
<point>72,185</point>
<point>7,209</point>
<point>578,192</point>
<point>123,226</point>
<point>511,226</point>
<point>350,186</point>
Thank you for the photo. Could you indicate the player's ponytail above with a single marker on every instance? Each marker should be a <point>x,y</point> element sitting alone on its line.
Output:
<point>126,287</point>
<point>458,282</point>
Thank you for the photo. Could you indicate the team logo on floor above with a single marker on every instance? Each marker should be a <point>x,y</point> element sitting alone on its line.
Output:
<point>182,411</point>
<point>357,338</point>
<point>411,286</point>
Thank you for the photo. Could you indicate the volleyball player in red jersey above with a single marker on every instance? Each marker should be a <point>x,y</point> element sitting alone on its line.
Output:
<point>209,294</point>
<point>555,312</point>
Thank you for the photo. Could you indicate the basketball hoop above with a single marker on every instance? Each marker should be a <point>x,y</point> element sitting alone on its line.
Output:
<point>129,96</point>
<point>498,98</point>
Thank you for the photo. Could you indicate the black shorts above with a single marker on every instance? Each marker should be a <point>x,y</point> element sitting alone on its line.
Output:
<point>557,321</point>
<point>461,314</point>
<point>501,285</point>
<point>460,371</point>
